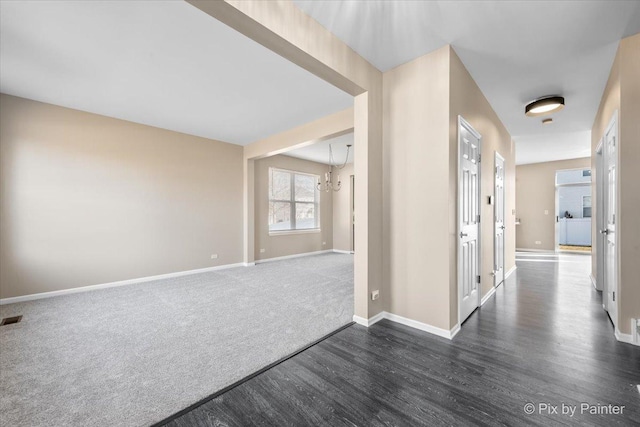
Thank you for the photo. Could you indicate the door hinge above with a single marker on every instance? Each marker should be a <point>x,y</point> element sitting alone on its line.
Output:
<point>479,158</point>
<point>478,281</point>
<point>478,218</point>
<point>614,296</point>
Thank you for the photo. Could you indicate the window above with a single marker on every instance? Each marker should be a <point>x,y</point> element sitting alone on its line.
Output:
<point>586,206</point>
<point>293,201</point>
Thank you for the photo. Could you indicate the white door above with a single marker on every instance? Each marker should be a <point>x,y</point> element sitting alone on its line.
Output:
<point>468,219</point>
<point>610,142</point>
<point>499,227</point>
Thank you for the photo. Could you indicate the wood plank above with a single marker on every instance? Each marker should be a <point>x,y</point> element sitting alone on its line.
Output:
<point>543,338</point>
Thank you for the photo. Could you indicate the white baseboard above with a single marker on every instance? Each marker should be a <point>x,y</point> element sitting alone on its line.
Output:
<point>370,321</point>
<point>534,250</point>
<point>593,281</point>
<point>626,338</point>
<point>632,338</point>
<point>510,272</point>
<point>340,251</point>
<point>280,258</point>
<point>454,331</point>
<point>488,295</point>
<point>407,322</point>
<point>32,297</point>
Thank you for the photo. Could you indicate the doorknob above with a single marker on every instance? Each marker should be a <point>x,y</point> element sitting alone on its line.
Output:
<point>463,234</point>
<point>502,227</point>
<point>605,231</point>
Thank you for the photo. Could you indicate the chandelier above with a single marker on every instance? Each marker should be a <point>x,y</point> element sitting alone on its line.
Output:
<point>328,183</point>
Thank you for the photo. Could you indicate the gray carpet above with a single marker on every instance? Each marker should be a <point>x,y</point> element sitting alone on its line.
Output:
<point>134,355</point>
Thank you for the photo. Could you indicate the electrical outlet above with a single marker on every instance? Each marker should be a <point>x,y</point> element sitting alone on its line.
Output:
<point>375,295</point>
<point>546,212</point>
<point>538,242</point>
<point>214,256</point>
<point>262,250</point>
<point>324,243</point>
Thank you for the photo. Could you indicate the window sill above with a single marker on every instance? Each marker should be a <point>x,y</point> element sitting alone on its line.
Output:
<point>289,232</point>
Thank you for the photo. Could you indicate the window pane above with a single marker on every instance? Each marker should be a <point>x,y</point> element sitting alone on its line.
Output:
<point>305,216</point>
<point>305,189</point>
<point>280,185</point>
<point>279,216</point>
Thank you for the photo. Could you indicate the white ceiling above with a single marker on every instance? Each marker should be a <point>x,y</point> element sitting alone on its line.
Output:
<point>516,52</point>
<point>160,63</point>
<point>167,64</point>
<point>556,146</point>
<point>319,152</point>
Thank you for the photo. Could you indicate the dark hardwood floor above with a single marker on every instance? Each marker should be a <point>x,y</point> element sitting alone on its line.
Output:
<point>543,339</point>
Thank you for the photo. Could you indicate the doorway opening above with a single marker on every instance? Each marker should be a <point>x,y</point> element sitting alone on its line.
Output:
<point>573,210</point>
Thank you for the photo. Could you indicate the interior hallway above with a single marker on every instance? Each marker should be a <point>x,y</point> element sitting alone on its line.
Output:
<point>543,338</point>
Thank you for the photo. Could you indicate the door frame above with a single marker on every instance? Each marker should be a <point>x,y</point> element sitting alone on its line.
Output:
<point>599,191</point>
<point>504,209</point>
<point>612,126</point>
<point>352,222</point>
<point>467,125</point>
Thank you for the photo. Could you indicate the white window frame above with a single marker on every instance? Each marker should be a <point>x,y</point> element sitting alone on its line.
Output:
<point>292,203</point>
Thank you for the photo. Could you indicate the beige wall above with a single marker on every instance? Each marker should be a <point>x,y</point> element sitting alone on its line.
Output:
<point>342,210</point>
<point>423,99</point>
<point>535,193</point>
<point>622,93</point>
<point>278,245</point>
<point>86,199</point>
<point>467,100</point>
<point>416,132</point>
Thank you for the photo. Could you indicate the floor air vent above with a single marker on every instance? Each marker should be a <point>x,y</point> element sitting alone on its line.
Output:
<point>10,320</point>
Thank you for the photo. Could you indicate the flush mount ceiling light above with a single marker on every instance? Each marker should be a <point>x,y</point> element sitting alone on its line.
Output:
<point>544,105</point>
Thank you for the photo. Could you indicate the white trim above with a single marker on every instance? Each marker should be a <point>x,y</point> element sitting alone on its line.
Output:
<point>370,321</point>
<point>626,338</point>
<point>593,281</point>
<point>488,295</point>
<point>248,264</point>
<point>535,250</point>
<point>497,156</point>
<point>423,326</point>
<point>32,297</point>
<point>407,322</point>
<point>454,331</point>
<point>510,272</point>
<point>296,231</point>
<point>279,258</point>
<point>340,251</point>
